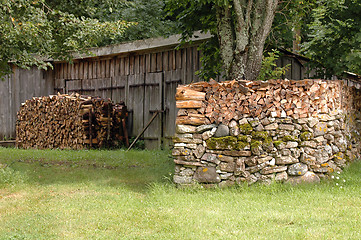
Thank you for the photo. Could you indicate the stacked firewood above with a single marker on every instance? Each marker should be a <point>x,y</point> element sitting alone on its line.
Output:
<point>70,122</point>
<point>222,102</point>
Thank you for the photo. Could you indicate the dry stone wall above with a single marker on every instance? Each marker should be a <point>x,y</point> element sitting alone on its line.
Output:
<point>253,131</point>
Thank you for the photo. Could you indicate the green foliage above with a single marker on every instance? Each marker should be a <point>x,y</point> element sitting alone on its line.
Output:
<point>269,69</point>
<point>31,27</point>
<point>290,23</point>
<point>149,16</point>
<point>335,37</point>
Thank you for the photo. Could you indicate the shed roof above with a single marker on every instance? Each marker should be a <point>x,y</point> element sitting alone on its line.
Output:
<point>141,45</point>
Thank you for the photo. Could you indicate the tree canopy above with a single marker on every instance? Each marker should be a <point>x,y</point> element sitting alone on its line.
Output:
<point>334,41</point>
<point>31,31</point>
<point>327,31</point>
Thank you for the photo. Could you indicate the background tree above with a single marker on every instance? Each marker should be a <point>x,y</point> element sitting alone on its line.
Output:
<point>288,31</point>
<point>241,28</point>
<point>149,16</point>
<point>334,42</point>
<point>31,31</point>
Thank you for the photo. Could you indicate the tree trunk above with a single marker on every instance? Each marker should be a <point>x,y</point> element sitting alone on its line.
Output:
<point>242,36</point>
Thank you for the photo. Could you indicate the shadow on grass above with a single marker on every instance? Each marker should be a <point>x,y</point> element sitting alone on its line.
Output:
<point>134,170</point>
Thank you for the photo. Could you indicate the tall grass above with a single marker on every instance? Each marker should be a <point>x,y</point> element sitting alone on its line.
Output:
<point>129,195</point>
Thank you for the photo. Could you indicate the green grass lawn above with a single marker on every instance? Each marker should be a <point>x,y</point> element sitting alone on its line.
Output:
<point>129,195</point>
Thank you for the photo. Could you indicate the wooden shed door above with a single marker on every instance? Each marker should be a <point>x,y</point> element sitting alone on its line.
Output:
<point>171,81</point>
<point>153,103</point>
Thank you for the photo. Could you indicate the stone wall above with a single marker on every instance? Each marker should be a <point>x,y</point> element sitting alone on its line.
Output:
<point>252,131</point>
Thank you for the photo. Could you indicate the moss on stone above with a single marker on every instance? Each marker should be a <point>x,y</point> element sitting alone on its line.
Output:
<point>277,143</point>
<point>228,142</point>
<point>255,144</point>
<point>306,136</point>
<point>246,128</point>
<point>242,138</point>
<point>242,145</point>
<point>261,135</point>
<point>289,138</point>
<point>268,140</point>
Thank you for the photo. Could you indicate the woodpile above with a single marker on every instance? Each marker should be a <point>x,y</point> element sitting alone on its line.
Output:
<point>70,122</point>
<point>221,102</point>
<point>251,131</point>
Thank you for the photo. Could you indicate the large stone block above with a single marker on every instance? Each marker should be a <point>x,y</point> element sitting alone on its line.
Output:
<point>283,160</point>
<point>222,131</point>
<point>207,175</point>
<point>185,129</point>
<point>269,170</point>
<point>297,169</point>
<point>308,177</point>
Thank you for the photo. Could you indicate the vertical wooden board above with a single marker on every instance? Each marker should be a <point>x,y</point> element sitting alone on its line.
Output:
<point>121,67</point>
<point>107,68</point>
<point>112,67</point>
<point>94,86</point>
<point>195,64</point>
<point>135,103</point>
<point>12,114</point>
<point>171,81</point>
<point>142,67</point>
<point>95,69</point>
<point>119,84</point>
<point>116,63</point>
<point>296,70</point>
<point>57,71</point>
<point>303,72</point>
<point>286,61</point>
<point>152,103</point>
<point>49,82</point>
<point>107,93</point>
<point>131,64</point>
<point>86,70</point>
<point>165,61</point>
<point>69,86</point>
<point>86,86</point>
<point>153,62</point>
<point>126,65</point>
<point>148,62</point>
<point>136,64</point>
<point>189,65</point>
<point>76,70</point>
<point>72,71</point>
<point>102,69</point>
<point>90,70</point>
<point>178,59</point>
<point>4,108</point>
<point>65,70</point>
<point>172,59</point>
<point>6,105</point>
<point>159,66</point>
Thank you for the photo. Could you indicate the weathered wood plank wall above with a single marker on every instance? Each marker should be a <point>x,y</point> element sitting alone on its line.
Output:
<point>145,81</point>
<point>15,89</point>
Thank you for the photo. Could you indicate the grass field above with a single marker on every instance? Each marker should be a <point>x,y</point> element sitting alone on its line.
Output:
<point>117,195</point>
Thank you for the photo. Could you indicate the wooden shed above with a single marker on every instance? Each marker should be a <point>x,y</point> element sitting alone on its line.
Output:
<point>144,74</point>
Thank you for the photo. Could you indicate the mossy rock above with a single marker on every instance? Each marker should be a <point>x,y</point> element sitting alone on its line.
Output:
<point>228,142</point>
<point>289,138</point>
<point>277,143</point>
<point>306,136</point>
<point>261,135</point>
<point>246,128</point>
<point>267,145</point>
<point>242,138</point>
<point>255,144</point>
